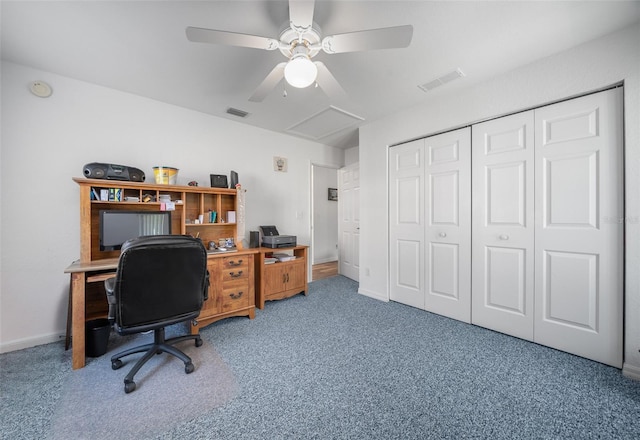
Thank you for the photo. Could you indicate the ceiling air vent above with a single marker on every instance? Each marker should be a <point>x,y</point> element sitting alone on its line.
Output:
<point>426,87</point>
<point>236,112</point>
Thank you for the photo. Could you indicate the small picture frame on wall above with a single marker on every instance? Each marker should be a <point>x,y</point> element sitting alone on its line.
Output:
<point>333,194</point>
<point>280,164</point>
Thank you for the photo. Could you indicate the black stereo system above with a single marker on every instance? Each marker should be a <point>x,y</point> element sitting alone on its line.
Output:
<point>111,171</point>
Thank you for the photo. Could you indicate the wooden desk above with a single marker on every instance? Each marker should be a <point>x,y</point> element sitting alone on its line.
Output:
<point>231,293</point>
<point>81,274</point>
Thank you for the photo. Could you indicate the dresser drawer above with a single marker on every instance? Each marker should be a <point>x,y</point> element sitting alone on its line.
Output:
<point>234,295</point>
<point>235,274</point>
<point>237,262</point>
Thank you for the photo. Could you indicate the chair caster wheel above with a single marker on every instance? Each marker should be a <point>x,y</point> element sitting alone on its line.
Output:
<point>198,342</point>
<point>129,387</point>
<point>188,367</point>
<point>116,364</point>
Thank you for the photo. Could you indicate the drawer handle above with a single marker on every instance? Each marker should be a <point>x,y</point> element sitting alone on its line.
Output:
<point>504,237</point>
<point>234,264</point>
<point>236,295</point>
<point>235,274</point>
<point>442,235</point>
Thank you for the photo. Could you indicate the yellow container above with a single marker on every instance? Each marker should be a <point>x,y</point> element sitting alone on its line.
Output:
<point>165,175</point>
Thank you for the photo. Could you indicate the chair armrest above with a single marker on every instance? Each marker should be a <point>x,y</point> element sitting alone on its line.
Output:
<point>206,286</point>
<point>109,287</point>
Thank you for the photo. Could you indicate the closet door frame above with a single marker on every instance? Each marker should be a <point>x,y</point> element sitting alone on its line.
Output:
<point>524,281</point>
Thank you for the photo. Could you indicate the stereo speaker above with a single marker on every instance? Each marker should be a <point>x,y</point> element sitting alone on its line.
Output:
<point>218,181</point>
<point>254,239</point>
<point>95,170</point>
<point>136,175</point>
<point>234,179</point>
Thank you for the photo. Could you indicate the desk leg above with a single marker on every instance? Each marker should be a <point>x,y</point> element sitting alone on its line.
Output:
<point>77,297</point>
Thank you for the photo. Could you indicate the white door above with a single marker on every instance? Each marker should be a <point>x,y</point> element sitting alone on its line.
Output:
<point>579,227</point>
<point>430,224</point>
<point>448,224</point>
<point>349,221</point>
<point>503,224</point>
<point>407,223</point>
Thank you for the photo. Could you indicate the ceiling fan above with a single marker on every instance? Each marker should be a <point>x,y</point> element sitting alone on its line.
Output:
<point>299,42</point>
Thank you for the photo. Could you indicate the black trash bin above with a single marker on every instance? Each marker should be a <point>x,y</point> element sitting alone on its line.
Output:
<point>96,337</point>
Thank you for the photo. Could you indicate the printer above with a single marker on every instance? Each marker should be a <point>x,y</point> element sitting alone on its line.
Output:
<point>272,239</point>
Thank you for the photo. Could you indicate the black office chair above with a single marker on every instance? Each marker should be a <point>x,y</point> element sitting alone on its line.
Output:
<point>161,280</point>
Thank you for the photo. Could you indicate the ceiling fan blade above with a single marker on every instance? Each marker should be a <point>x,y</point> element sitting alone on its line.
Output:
<point>201,35</point>
<point>301,14</point>
<point>328,82</point>
<point>269,83</point>
<point>384,38</point>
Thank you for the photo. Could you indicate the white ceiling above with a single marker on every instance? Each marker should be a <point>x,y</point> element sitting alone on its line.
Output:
<point>140,47</point>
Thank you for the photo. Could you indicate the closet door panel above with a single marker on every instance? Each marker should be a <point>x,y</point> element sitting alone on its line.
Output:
<point>448,228</point>
<point>503,225</point>
<point>407,223</point>
<point>506,283</point>
<point>579,227</point>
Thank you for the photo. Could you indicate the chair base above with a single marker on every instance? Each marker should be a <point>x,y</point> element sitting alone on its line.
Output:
<point>158,346</point>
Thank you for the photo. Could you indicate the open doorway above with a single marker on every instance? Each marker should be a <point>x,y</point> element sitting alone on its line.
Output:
<point>324,221</point>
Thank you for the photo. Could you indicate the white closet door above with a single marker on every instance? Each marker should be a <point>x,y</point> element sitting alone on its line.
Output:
<point>448,224</point>
<point>503,225</point>
<point>406,223</point>
<point>579,227</point>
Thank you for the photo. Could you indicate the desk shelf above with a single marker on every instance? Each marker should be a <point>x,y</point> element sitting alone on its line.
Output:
<point>195,201</point>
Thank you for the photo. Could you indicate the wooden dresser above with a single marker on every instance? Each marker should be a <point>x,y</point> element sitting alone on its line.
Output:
<point>282,279</point>
<point>231,289</point>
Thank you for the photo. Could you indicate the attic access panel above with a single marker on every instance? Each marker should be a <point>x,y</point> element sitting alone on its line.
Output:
<point>324,123</point>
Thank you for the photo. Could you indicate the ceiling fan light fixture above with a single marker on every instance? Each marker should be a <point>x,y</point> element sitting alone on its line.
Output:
<point>300,71</point>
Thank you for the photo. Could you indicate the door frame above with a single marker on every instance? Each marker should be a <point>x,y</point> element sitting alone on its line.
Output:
<point>312,201</point>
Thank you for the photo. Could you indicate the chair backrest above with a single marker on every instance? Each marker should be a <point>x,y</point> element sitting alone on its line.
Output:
<point>160,280</point>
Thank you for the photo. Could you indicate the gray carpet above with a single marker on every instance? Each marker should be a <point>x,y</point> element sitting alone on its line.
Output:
<point>337,365</point>
<point>164,394</point>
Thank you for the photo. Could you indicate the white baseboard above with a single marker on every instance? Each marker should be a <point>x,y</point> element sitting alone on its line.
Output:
<point>631,371</point>
<point>372,294</point>
<point>30,342</point>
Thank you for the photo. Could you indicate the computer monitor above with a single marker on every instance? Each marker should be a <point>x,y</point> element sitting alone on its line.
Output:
<point>118,226</point>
